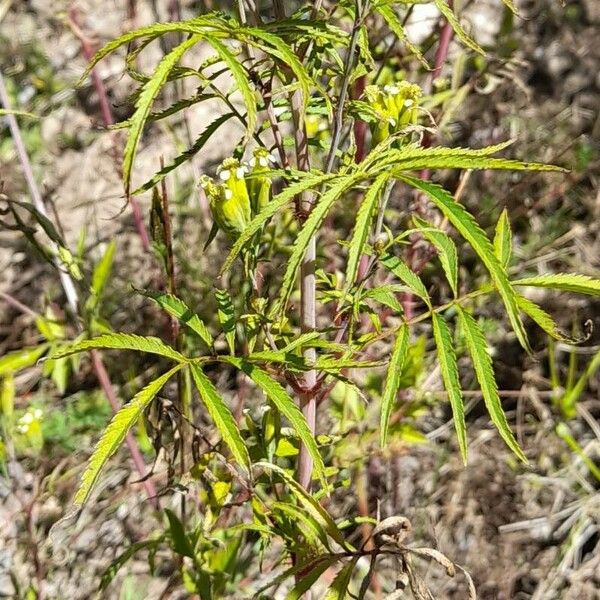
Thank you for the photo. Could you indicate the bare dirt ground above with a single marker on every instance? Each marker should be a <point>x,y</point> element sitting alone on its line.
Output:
<point>523,533</point>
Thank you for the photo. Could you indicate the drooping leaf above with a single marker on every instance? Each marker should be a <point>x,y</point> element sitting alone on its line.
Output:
<point>449,369</point>
<point>144,103</point>
<point>242,82</point>
<point>278,202</point>
<point>461,34</point>
<point>466,225</point>
<point>566,282</point>
<point>122,341</point>
<point>178,309</point>
<point>288,408</point>
<point>116,431</point>
<point>392,381</point>
<point>310,226</point>
<point>364,218</point>
<point>186,155</point>
<point>482,363</point>
<point>396,26</point>
<point>503,239</point>
<point>222,417</point>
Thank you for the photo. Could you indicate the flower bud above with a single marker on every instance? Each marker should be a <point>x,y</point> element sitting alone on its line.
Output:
<point>259,188</point>
<point>397,106</point>
<point>229,200</point>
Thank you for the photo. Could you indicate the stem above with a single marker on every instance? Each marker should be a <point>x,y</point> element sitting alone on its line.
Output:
<point>308,306</point>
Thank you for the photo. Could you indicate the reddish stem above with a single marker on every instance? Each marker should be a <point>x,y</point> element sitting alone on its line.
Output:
<point>107,117</point>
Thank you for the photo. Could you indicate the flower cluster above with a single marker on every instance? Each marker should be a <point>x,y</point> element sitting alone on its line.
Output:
<point>396,105</point>
<point>241,192</point>
<point>29,420</point>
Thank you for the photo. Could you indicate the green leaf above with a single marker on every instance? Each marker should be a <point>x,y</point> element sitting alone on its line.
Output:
<point>446,250</point>
<point>309,228</point>
<point>449,370</point>
<point>364,218</point>
<point>503,239</point>
<point>397,27</point>
<point>278,202</point>
<point>466,225</point>
<point>242,82</point>
<point>318,562</point>
<point>181,543</point>
<point>412,158</point>
<point>278,48</point>
<point>116,431</point>
<point>144,103</point>
<point>178,309</point>
<point>566,282</point>
<point>288,408</point>
<point>309,578</point>
<point>544,320</point>
<point>568,403</point>
<point>222,417</point>
<point>339,586</point>
<point>122,341</point>
<point>19,359</point>
<point>461,34</point>
<point>100,276</point>
<point>114,567</point>
<point>198,25</point>
<point>17,113</point>
<point>186,155</point>
<point>226,316</point>
<point>482,363</point>
<point>406,275</point>
<point>392,381</point>
<point>309,502</point>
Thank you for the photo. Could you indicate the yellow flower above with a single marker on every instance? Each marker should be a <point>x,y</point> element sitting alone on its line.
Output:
<point>229,200</point>
<point>397,106</point>
<point>259,188</point>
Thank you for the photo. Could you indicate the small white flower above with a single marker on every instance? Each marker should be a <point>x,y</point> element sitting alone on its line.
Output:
<point>263,162</point>
<point>22,428</point>
<point>228,194</point>
<point>271,158</point>
<point>240,172</point>
<point>252,162</point>
<point>37,413</point>
<point>408,102</point>
<point>26,419</point>
<point>224,175</point>
<point>391,89</point>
